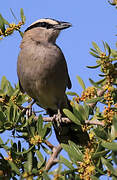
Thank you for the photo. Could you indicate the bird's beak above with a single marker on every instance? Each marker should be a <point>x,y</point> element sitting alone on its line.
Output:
<point>62,25</point>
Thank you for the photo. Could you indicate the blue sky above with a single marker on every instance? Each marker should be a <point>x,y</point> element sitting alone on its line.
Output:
<point>91,20</point>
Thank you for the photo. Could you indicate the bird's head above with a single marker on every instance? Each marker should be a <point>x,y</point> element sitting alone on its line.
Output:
<point>46,29</point>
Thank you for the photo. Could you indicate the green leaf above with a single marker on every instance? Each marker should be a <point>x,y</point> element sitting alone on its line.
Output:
<point>41,130</point>
<point>13,14</point>
<point>81,82</point>
<point>66,162</point>
<point>95,55</point>
<point>10,113</point>
<point>94,67</point>
<point>96,47</point>
<point>2,25</point>
<point>3,83</point>
<point>94,178</point>
<point>6,22</point>
<point>14,167</point>
<point>99,154</point>
<point>71,93</point>
<point>45,176</point>
<point>77,113</point>
<point>113,53</point>
<point>45,149</point>
<point>82,112</point>
<point>23,18</point>
<point>21,33</point>
<point>40,156</point>
<point>96,83</point>
<point>25,151</point>
<point>111,146</point>
<point>8,125</point>
<point>94,50</point>
<point>108,48</point>
<point>29,161</point>
<point>86,110</point>
<point>73,151</point>
<point>109,166</point>
<point>101,133</point>
<point>71,116</point>
<point>39,124</point>
<point>115,125</point>
<point>2,117</point>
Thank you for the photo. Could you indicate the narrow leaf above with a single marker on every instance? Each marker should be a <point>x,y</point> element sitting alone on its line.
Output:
<point>95,55</point>
<point>81,82</point>
<point>108,48</point>
<point>3,83</point>
<point>71,116</point>
<point>109,166</point>
<point>99,154</point>
<point>66,162</point>
<point>111,146</point>
<point>40,156</point>
<point>71,93</point>
<point>76,150</point>
<point>22,15</point>
<point>96,47</point>
<point>2,116</point>
<point>29,161</point>
<point>45,176</point>
<point>13,14</point>
<point>14,167</point>
<point>2,25</point>
<point>94,67</point>
<point>74,154</point>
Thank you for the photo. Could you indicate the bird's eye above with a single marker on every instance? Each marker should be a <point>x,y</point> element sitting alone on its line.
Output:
<point>43,24</point>
<point>46,25</point>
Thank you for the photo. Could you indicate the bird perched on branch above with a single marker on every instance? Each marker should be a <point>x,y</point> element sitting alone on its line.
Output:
<point>43,73</point>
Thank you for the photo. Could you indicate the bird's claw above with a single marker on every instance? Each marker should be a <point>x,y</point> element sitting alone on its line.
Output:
<point>58,118</point>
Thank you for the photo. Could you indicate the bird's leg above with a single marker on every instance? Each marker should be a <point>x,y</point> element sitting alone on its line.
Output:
<point>29,109</point>
<point>59,116</point>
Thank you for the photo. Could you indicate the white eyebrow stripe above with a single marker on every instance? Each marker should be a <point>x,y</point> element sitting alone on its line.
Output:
<point>49,21</point>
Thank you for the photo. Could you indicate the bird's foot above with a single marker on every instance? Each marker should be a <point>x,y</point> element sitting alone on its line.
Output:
<point>58,118</point>
<point>29,111</point>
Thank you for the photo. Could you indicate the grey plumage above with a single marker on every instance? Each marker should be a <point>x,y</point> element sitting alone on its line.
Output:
<point>42,70</point>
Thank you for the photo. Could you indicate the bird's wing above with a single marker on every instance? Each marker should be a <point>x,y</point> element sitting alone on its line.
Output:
<point>21,88</point>
<point>69,84</point>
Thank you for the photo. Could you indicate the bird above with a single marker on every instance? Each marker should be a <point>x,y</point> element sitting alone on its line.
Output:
<point>43,73</point>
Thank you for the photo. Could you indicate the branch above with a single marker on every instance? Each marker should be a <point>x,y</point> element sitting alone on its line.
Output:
<point>94,122</point>
<point>49,144</point>
<point>67,120</point>
<point>53,158</point>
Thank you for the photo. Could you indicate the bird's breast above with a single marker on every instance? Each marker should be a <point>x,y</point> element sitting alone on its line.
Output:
<point>42,74</point>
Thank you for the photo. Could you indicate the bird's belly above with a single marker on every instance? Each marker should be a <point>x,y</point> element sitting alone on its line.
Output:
<point>47,90</point>
<point>42,79</point>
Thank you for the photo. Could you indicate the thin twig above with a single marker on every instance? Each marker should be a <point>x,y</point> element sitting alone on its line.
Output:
<point>53,158</point>
<point>49,144</point>
<point>94,122</point>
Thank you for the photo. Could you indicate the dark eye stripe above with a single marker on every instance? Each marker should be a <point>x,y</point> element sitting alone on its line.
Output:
<point>40,24</point>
